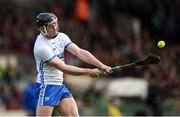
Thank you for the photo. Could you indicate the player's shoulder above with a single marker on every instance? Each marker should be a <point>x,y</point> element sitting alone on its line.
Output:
<point>40,40</point>
<point>40,43</point>
<point>63,35</point>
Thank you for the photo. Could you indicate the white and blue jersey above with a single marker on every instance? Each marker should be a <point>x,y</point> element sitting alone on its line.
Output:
<point>49,78</point>
<point>44,51</point>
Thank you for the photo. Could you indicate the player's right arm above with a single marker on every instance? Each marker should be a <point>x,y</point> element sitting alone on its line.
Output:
<point>59,64</point>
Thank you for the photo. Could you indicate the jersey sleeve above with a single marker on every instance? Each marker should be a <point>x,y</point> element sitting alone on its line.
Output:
<point>67,40</point>
<point>45,54</point>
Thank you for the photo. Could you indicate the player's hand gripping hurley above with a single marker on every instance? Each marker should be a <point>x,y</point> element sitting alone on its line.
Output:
<point>147,60</point>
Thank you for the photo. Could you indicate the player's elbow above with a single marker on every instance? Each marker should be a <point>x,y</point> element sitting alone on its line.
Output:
<point>57,63</point>
<point>63,67</point>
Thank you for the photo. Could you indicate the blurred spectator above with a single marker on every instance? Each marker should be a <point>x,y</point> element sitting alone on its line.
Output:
<point>82,10</point>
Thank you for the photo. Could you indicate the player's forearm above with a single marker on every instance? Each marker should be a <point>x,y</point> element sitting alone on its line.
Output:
<point>89,58</point>
<point>69,68</point>
<point>75,70</point>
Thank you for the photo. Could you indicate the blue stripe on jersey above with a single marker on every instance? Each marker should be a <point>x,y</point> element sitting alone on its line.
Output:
<point>41,71</point>
<point>67,44</point>
<point>61,55</point>
<point>40,101</point>
<point>50,59</point>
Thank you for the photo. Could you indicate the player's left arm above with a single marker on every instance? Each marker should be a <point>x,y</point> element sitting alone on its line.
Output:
<point>87,57</point>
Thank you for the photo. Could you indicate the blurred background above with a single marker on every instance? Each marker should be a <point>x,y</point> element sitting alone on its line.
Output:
<point>116,32</point>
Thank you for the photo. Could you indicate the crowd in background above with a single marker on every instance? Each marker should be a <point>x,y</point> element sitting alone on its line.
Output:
<point>115,31</point>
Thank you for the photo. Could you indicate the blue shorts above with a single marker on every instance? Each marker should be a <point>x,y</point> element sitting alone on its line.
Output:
<point>51,95</point>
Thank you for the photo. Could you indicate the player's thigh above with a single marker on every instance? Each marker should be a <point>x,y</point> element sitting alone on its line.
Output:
<point>68,107</point>
<point>44,110</point>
